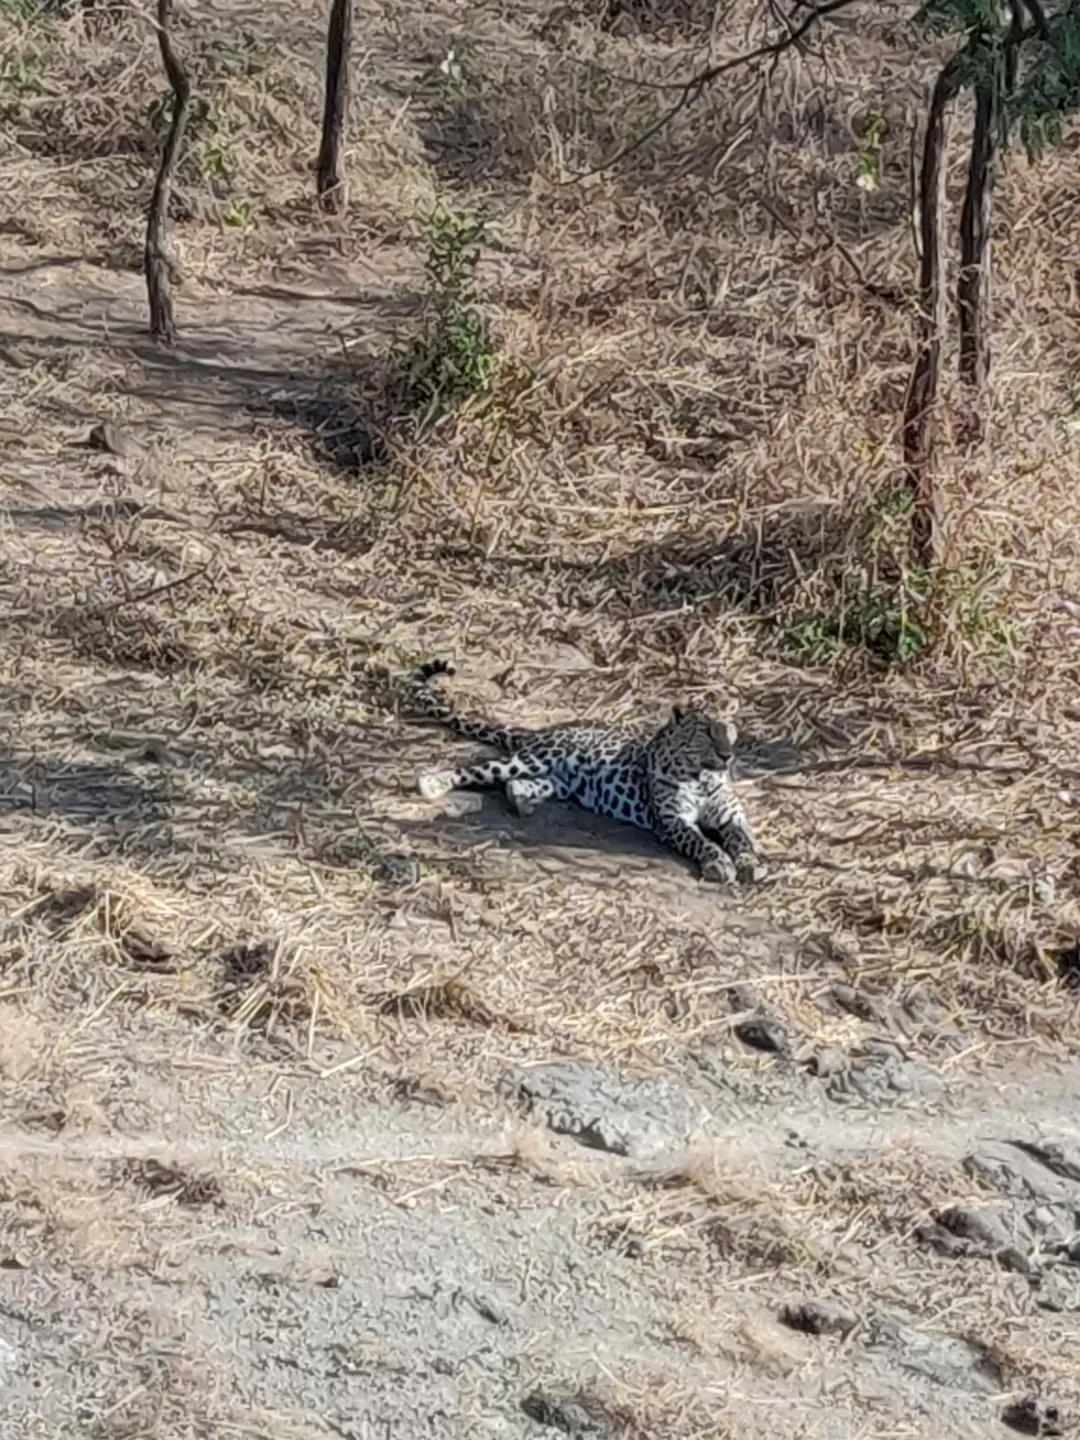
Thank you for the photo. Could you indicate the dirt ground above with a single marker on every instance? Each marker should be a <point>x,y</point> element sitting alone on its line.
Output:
<point>325,1111</point>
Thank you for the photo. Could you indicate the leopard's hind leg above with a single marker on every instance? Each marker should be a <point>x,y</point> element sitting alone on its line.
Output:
<point>515,770</point>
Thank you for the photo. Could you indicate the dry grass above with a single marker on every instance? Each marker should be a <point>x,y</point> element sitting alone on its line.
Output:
<point>680,480</point>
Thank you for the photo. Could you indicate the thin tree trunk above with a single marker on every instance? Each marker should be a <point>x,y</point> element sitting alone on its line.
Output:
<point>155,260</point>
<point>330,169</point>
<point>922,393</point>
<point>973,286</point>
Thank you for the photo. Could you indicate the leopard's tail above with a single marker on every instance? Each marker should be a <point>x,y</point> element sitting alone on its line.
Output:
<point>430,701</point>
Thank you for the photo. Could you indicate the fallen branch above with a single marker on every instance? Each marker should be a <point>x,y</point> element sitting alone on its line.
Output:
<point>137,597</point>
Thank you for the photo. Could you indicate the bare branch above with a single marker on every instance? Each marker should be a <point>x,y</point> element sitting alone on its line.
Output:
<point>155,259</point>
<point>138,596</point>
<point>692,90</point>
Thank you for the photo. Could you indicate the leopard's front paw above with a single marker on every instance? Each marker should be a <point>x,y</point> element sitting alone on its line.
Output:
<point>719,870</point>
<point>750,870</point>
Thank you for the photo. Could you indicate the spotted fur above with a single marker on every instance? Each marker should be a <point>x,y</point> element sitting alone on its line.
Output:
<point>675,781</point>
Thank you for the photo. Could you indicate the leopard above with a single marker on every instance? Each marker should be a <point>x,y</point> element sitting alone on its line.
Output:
<point>675,780</point>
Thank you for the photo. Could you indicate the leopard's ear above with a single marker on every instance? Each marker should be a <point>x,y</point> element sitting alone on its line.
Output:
<point>678,710</point>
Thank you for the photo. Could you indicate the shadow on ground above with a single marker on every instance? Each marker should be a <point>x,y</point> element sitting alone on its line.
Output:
<point>290,368</point>
<point>344,796</point>
<point>749,568</point>
<point>52,789</point>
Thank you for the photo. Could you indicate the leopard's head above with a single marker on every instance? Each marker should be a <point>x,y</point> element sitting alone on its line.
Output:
<point>704,740</point>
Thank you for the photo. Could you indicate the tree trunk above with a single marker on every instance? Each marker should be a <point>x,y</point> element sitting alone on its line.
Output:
<point>330,170</point>
<point>155,260</point>
<point>973,287</point>
<point>923,387</point>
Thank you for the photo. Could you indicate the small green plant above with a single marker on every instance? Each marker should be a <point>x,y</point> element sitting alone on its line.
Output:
<point>455,356</point>
<point>1068,419</point>
<point>206,158</point>
<point>812,640</point>
<point>868,176</point>
<point>239,214</point>
<point>890,621</point>
<point>21,78</point>
<point>211,164</point>
<point>886,600</point>
<point>25,10</point>
<point>869,596</point>
<point>456,74</point>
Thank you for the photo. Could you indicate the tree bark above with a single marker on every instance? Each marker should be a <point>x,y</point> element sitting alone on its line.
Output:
<point>155,259</point>
<point>973,286</point>
<point>330,169</point>
<point>919,408</point>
